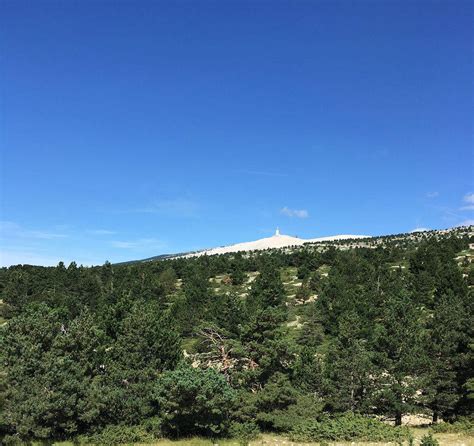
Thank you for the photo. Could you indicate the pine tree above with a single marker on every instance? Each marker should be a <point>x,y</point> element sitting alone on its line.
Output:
<point>192,401</point>
<point>307,372</point>
<point>52,369</point>
<point>197,296</point>
<point>147,344</point>
<point>400,357</point>
<point>349,367</point>
<point>229,313</point>
<point>237,270</point>
<point>442,343</point>
<point>265,346</point>
<point>167,280</point>
<point>267,289</point>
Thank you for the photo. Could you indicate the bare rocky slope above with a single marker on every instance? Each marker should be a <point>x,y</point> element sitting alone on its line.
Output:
<point>276,241</point>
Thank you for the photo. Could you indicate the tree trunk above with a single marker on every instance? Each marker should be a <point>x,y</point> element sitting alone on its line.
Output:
<point>398,419</point>
<point>435,417</point>
<point>352,393</point>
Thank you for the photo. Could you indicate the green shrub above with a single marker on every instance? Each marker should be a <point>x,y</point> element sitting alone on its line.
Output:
<point>194,402</point>
<point>429,440</point>
<point>306,407</point>
<point>273,401</point>
<point>244,432</point>
<point>11,440</point>
<point>461,425</point>
<point>117,435</point>
<point>348,427</point>
<point>153,426</point>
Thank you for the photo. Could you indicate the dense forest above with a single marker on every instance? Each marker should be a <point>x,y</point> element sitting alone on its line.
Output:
<point>318,343</point>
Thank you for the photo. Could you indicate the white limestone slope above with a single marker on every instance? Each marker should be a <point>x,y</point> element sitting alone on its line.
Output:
<point>276,241</point>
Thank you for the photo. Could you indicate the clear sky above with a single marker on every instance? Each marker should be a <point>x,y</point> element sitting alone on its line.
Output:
<point>136,128</point>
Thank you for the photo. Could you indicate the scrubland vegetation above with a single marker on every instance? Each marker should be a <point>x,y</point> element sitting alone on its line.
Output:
<point>329,342</point>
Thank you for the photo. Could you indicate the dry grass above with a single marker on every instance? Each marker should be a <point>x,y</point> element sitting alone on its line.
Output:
<point>277,440</point>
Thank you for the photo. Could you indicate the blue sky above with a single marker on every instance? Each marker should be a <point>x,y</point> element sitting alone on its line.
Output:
<point>131,129</point>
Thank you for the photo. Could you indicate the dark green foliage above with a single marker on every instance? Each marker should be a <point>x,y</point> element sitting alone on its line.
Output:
<point>11,440</point>
<point>462,425</point>
<point>349,368</point>
<point>192,401</point>
<point>303,272</point>
<point>119,434</point>
<point>65,377</point>
<point>276,396</point>
<point>398,342</point>
<point>267,290</point>
<point>146,342</point>
<point>197,296</point>
<point>228,313</point>
<point>312,333</point>
<point>237,270</point>
<point>146,345</point>
<point>244,432</point>
<point>315,281</point>
<point>307,371</point>
<point>347,427</point>
<point>269,406</point>
<point>445,330</point>
<point>52,371</point>
<point>265,344</point>
<point>305,407</point>
<point>167,280</point>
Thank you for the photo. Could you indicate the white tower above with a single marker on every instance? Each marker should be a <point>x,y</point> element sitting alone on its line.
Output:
<point>277,232</point>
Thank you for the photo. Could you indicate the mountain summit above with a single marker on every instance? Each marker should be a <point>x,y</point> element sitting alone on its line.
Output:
<point>277,240</point>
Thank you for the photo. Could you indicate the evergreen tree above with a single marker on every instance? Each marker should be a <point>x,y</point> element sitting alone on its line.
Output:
<point>276,396</point>
<point>51,371</point>
<point>312,333</point>
<point>349,367</point>
<point>303,272</point>
<point>197,295</point>
<point>237,270</point>
<point>192,401</point>
<point>167,280</point>
<point>265,346</point>
<point>229,313</point>
<point>400,357</point>
<point>146,345</point>
<point>267,289</point>
<point>307,372</point>
<point>442,343</point>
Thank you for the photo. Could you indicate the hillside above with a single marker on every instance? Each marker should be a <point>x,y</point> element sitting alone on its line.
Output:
<point>276,241</point>
<point>291,243</point>
<point>336,340</point>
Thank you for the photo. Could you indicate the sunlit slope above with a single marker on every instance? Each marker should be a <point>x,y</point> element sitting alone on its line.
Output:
<point>276,241</point>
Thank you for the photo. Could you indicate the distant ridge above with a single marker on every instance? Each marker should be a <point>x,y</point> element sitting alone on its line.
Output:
<point>277,240</point>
